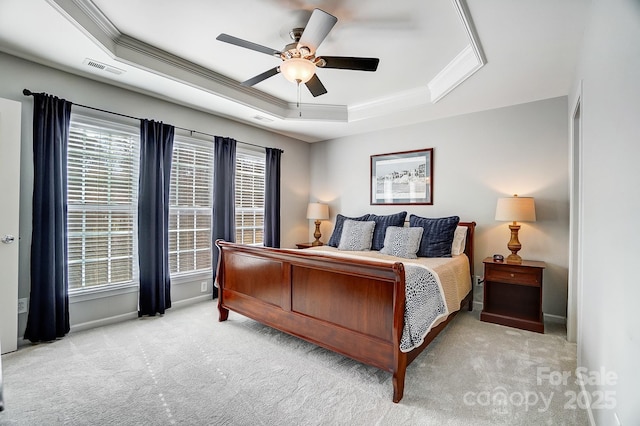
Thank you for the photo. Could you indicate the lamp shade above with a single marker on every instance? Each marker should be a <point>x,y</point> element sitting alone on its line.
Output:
<point>516,209</point>
<point>298,70</point>
<point>318,211</point>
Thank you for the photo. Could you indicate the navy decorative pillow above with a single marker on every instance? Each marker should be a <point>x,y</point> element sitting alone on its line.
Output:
<point>437,236</point>
<point>337,230</point>
<point>382,223</point>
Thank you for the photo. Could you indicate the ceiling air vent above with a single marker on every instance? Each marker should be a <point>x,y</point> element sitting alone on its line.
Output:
<point>102,67</point>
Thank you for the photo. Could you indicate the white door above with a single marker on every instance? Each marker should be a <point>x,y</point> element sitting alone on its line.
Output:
<point>9,207</point>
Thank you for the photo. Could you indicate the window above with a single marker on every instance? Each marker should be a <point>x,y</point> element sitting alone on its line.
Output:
<point>102,186</point>
<point>190,206</point>
<point>250,171</point>
<point>102,172</point>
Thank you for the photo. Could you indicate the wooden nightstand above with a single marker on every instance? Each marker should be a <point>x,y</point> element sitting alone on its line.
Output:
<point>513,294</point>
<point>305,245</point>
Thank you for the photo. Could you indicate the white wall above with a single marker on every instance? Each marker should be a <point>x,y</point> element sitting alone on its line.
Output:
<point>478,158</point>
<point>17,74</point>
<point>609,330</point>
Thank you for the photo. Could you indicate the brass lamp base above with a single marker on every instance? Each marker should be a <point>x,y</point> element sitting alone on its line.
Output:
<point>317,235</point>
<point>514,245</point>
<point>514,258</point>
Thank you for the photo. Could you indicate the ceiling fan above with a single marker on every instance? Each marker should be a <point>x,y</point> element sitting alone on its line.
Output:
<point>299,60</point>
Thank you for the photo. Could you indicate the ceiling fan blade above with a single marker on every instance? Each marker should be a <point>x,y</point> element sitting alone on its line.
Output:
<point>247,44</point>
<point>260,77</point>
<point>315,86</point>
<point>350,63</point>
<point>319,25</point>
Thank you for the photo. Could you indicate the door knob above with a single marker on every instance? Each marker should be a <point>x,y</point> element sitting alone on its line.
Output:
<point>8,239</point>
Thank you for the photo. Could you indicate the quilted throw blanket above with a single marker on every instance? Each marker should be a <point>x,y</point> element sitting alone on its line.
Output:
<point>424,305</point>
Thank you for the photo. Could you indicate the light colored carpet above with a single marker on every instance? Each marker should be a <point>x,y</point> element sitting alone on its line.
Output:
<point>187,368</point>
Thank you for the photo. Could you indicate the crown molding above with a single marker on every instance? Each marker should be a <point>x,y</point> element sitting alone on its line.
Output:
<point>465,64</point>
<point>408,99</point>
<point>465,17</point>
<point>86,16</point>
<point>95,25</point>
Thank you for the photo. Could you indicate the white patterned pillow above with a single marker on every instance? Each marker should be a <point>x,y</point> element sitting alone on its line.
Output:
<point>402,242</point>
<point>459,240</point>
<point>356,235</point>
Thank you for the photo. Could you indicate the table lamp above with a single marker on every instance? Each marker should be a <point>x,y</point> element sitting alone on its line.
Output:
<point>515,209</point>
<point>317,211</point>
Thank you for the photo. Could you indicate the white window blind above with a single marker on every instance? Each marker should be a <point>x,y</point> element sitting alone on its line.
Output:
<point>250,182</point>
<point>190,207</point>
<point>102,179</point>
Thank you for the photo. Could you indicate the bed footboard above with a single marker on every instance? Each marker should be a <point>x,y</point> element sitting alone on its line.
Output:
<point>355,308</point>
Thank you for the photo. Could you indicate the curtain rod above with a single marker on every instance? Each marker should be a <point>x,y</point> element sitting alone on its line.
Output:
<point>28,92</point>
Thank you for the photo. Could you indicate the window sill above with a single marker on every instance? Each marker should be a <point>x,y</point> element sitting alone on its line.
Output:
<point>99,292</point>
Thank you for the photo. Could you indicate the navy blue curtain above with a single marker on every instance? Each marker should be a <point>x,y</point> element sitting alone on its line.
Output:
<point>224,196</point>
<point>156,149</point>
<point>49,299</point>
<point>272,198</point>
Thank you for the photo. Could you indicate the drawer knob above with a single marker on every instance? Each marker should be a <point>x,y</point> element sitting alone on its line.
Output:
<point>512,275</point>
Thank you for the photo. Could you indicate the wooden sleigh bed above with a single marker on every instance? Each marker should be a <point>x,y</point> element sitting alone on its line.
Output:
<point>354,307</point>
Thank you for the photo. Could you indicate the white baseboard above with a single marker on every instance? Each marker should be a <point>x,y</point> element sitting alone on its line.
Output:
<point>103,321</point>
<point>191,301</point>
<point>132,315</point>
<point>557,319</point>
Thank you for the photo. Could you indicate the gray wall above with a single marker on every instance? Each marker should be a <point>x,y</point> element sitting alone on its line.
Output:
<point>608,320</point>
<point>478,158</point>
<point>86,311</point>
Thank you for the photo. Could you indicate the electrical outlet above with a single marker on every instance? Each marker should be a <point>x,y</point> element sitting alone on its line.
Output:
<point>478,280</point>
<point>22,305</point>
<point>203,286</point>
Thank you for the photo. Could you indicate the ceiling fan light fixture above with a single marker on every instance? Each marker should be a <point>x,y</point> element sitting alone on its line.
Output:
<point>299,59</point>
<point>298,70</point>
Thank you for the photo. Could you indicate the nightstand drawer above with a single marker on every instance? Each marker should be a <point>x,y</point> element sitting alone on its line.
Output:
<point>513,275</point>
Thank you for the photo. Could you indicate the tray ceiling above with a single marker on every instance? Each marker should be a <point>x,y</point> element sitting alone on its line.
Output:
<point>432,55</point>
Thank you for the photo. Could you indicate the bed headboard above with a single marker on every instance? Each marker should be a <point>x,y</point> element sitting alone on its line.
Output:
<point>468,248</point>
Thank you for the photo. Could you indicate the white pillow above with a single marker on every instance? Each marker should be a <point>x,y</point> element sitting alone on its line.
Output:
<point>459,240</point>
<point>402,242</point>
<point>356,235</point>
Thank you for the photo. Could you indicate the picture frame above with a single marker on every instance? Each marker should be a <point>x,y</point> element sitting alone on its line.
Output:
<point>402,178</point>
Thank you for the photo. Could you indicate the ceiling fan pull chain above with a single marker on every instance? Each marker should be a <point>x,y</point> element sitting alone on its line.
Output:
<point>299,103</point>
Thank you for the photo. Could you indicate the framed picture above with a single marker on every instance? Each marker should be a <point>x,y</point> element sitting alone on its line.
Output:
<point>402,177</point>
